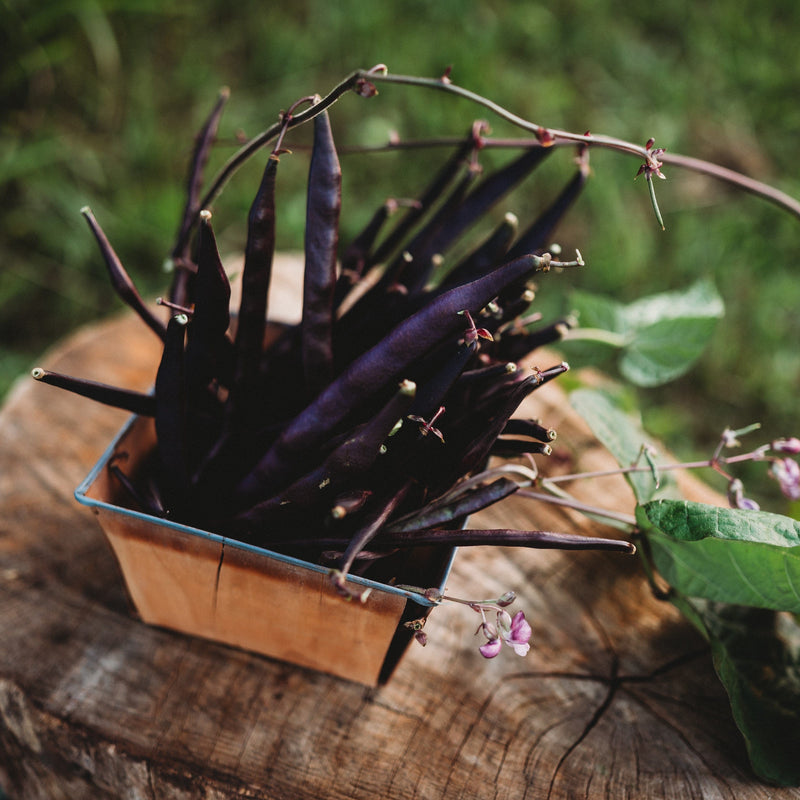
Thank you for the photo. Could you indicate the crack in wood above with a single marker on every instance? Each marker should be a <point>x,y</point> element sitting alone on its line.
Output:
<point>689,746</point>
<point>615,682</point>
<point>613,685</point>
<point>217,577</point>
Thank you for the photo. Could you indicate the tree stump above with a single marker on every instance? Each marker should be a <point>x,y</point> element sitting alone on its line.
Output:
<point>616,699</point>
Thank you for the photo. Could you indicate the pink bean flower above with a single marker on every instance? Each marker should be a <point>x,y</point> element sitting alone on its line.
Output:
<point>787,472</point>
<point>515,632</point>
<point>790,445</point>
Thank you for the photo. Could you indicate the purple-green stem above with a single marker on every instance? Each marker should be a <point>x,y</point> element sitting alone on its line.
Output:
<point>698,165</point>
<point>531,478</point>
<point>437,597</point>
<point>544,136</point>
<point>561,137</point>
<point>714,463</point>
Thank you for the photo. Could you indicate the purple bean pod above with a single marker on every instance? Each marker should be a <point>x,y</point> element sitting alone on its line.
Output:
<point>368,374</point>
<point>348,462</point>
<point>321,240</point>
<point>497,537</point>
<point>126,399</point>
<point>171,423</point>
<point>356,256</point>
<point>490,190</point>
<point>412,267</point>
<point>251,321</point>
<point>386,542</point>
<point>374,520</point>
<point>146,504</point>
<point>485,257</point>
<point>531,428</point>
<point>207,344</point>
<point>445,510</point>
<point>537,237</point>
<point>436,189</point>
<point>506,447</point>
<point>194,181</point>
<point>439,377</point>
<point>472,441</point>
<point>513,346</point>
<point>120,279</point>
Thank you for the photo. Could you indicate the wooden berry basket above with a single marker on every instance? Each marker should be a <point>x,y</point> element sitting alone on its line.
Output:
<point>207,585</point>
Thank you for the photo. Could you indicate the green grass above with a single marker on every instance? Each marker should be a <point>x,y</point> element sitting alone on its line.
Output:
<point>101,99</point>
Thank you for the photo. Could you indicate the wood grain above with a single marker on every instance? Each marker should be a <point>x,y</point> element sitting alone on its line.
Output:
<point>616,699</point>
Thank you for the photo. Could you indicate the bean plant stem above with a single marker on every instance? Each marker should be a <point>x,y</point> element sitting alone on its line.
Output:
<point>609,142</point>
<point>545,136</point>
<point>737,179</point>
<point>577,505</point>
<point>710,463</point>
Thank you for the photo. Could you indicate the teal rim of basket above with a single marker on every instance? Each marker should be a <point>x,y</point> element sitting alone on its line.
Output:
<point>82,497</point>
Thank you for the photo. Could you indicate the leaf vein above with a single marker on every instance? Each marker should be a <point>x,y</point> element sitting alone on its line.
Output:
<point>790,579</point>
<point>753,588</point>
<point>687,565</point>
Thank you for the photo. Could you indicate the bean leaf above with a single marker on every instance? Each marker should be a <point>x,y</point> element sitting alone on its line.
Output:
<point>756,655</point>
<point>657,338</point>
<point>621,434</point>
<point>749,558</point>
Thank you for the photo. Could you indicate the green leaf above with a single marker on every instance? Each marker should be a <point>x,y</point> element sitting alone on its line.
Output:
<point>597,340</point>
<point>658,337</point>
<point>756,655</point>
<point>671,332</point>
<point>597,311</point>
<point>749,558</point>
<point>665,350</point>
<point>621,434</point>
<point>699,301</point>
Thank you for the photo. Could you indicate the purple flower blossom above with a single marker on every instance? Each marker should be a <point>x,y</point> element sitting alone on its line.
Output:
<point>787,472</point>
<point>515,632</point>
<point>749,505</point>
<point>737,499</point>
<point>790,445</point>
<point>491,648</point>
<point>518,633</point>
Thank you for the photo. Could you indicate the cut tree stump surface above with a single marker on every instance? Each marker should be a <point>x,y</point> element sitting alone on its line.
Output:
<point>617,698</point>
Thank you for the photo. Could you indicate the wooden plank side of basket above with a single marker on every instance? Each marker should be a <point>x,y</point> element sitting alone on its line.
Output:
<point>202,584</point>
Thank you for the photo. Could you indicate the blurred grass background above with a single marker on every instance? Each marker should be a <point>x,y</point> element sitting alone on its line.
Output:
<point>101,100</point>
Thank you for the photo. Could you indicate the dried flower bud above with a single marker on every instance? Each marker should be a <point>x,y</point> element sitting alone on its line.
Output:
<point>432,594</point>
<point>365,88</point>
<point>506,599</point>
<point>546,139</point>
<point>488,630</point>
